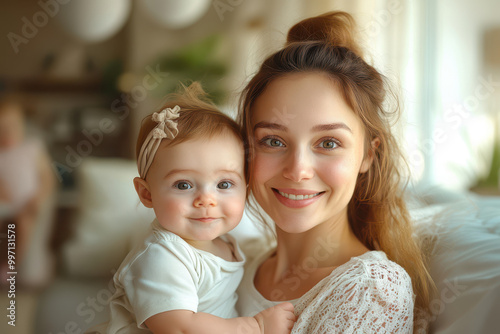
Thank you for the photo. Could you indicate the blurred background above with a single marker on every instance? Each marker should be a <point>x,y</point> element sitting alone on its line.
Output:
<point>78,76</point>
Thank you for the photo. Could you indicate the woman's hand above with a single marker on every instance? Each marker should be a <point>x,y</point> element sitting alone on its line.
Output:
<point>278,319</point>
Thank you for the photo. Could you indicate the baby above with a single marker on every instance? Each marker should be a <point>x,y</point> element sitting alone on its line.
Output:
<point>26,186</point>
<point>183,277</point>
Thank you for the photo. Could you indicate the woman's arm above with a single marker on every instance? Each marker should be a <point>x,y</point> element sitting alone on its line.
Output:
<point>275,320</point>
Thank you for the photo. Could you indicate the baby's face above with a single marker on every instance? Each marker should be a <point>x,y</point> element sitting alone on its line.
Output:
<point>198,187</point>
<point>11,127</point>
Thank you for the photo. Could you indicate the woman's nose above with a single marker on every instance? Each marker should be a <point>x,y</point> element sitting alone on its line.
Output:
<point>204,200</point>
<point>298,166</point>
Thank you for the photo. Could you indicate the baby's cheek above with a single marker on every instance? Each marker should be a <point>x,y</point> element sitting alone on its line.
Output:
<point>171,208</point>
<point>233,207</point>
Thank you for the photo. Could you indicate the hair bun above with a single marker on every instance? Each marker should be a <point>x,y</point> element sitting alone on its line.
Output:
<point>336,28</point>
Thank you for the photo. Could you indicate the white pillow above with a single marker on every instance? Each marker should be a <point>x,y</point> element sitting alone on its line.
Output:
<point>465,264</point>
<point>109,217</point>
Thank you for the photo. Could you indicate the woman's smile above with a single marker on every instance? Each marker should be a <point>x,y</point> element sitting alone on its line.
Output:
<point>296,198</point>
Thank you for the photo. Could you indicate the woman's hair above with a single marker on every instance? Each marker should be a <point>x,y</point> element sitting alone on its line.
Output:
<point>198,118</point>
<point>377,212</point>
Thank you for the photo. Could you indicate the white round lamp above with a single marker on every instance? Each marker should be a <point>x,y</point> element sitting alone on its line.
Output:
<point>94,20</point>
<point>176,14</point>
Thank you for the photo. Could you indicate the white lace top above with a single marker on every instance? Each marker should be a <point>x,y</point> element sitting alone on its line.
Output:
<point>368,294</point>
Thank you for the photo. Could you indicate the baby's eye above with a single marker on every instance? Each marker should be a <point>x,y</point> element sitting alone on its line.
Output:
<point>273,142</point>
<point>224,185</point>
<point>183,185</point>
<point>328,144</point>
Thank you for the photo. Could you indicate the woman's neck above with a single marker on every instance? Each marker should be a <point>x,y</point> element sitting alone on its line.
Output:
<point>304,259</point>
<point>325,246</point>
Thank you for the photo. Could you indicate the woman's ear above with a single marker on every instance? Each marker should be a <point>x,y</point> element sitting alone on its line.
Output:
<point>368,160</point>
<point>142,188</point>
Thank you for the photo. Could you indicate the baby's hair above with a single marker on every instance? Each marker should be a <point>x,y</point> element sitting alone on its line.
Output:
<point>199,118</point>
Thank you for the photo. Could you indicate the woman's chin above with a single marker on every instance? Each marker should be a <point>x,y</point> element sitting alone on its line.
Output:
<point>293,226</point>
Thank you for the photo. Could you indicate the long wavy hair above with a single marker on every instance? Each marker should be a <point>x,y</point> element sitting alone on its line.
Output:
<point>377,212</point>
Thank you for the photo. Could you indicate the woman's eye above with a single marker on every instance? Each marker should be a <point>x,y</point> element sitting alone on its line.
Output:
<point>273,142</point>
<point>182,185</point>
<point>224,185</point>
<point>328,144</point>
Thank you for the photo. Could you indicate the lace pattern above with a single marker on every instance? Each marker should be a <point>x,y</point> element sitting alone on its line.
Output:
<point>369,294</point>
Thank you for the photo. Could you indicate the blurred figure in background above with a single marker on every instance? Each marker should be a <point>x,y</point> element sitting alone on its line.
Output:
<point>26,197</point>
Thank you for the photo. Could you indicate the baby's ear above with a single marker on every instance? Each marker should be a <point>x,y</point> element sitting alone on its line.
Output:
<point>368,160</point>
<point>142,188</point>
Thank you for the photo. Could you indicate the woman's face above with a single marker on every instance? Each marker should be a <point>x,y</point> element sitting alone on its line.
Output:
<point>309,150</point>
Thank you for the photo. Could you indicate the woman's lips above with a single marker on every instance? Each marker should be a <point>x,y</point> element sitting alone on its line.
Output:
<point>296,198</point>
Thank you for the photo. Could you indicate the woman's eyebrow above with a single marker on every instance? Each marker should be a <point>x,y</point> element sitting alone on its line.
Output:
<point>320,127</point>
<point>331,126</point>
<point>268,125</point>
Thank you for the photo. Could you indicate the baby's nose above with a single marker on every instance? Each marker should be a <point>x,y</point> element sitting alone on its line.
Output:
<point>205,199</point>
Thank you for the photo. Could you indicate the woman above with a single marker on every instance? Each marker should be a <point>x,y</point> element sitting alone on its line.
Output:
<point>323,166</point>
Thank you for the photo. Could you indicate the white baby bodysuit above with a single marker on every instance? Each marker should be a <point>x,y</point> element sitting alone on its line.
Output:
<point>165,273</point>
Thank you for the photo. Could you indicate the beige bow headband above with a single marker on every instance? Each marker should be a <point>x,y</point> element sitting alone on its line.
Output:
<point>166,128</point>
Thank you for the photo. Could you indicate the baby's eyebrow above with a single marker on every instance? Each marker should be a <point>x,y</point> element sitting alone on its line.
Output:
<point>227,171</point>
<point>176,171</point>
<point>231,171</point>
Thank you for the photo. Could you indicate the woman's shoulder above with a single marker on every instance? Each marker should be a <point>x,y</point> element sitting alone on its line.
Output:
<point>370,273</point>
<point>375,265</point>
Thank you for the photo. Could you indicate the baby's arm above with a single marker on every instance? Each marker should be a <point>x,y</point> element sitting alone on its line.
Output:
<point>275,320</point>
